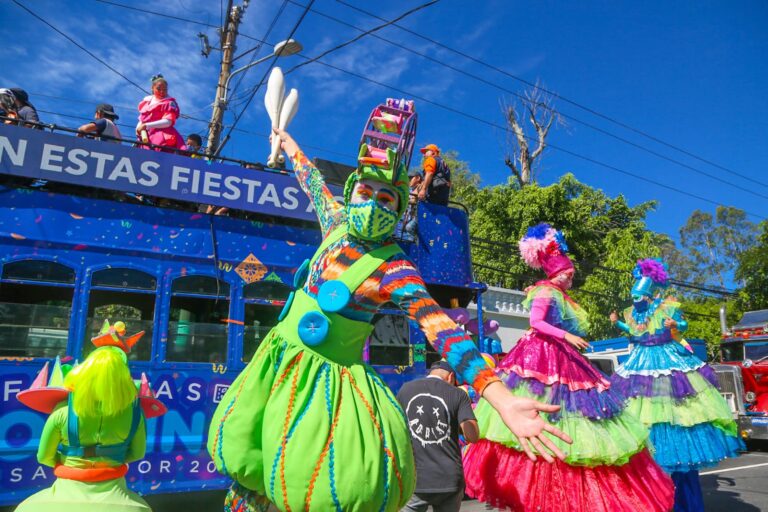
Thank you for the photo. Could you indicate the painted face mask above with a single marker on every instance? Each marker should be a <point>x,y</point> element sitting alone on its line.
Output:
<point>639,302</point>
<point>370,221</point>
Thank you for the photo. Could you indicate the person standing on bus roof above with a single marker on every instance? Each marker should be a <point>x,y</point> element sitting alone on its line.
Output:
<point>103,124</point>
<point>436,184</point>
<point>91,436</point>
<point>671,390</point>
<point>307,425</point>
<point>158,113</point>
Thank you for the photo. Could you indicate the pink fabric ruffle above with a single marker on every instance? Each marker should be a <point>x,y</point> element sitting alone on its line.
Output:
<point>552,361</point>
<point>506,478</point>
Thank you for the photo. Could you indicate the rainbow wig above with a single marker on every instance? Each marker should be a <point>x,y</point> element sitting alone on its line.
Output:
<point>102,384</point>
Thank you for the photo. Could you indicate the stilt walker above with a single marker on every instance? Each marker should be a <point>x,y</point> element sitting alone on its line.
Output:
<point>608,467</point>
<point>307,425</point>
<point>671,390</point>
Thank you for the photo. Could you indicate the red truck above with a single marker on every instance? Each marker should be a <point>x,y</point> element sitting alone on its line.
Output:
<point>743,372</point>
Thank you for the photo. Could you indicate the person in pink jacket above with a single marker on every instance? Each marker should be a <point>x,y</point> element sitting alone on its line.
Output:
<point>157,115</point>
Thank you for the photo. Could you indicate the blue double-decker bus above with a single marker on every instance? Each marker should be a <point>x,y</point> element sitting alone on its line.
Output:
<point>93,230</point>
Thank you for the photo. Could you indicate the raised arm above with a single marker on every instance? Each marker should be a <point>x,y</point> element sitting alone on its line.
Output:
<point>403,286</point>
<point>328,210</point>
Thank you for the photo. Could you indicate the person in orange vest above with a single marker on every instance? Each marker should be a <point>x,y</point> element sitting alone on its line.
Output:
<point>436,185</point>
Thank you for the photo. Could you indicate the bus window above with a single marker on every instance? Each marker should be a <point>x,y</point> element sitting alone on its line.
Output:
<point>198,327</point>
<point>127,295</point>
<point>263,302</point>
<point>35,306</point>
<point>389,342</point>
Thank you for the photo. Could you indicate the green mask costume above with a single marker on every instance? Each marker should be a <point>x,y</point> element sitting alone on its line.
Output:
<point>369,220</point>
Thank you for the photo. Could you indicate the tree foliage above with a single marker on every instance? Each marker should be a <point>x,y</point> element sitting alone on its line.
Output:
<point>752,270</point>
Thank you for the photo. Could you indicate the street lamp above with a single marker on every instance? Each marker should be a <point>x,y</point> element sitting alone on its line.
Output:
<point>282,49</point>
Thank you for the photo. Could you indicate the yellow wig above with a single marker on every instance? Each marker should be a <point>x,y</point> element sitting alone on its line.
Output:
<point>102,384</point>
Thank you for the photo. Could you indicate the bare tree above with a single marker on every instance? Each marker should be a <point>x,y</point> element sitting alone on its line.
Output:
<point>537,106</point>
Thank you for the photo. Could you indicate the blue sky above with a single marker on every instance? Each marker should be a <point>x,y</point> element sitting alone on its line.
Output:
<point>692,74</point>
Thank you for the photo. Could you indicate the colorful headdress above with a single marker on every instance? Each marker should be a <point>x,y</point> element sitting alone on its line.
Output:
<point>544,247</point>
<point>650,275</point>
<point>379,168</point>
<point>47,390</point>
<point>114,336</point>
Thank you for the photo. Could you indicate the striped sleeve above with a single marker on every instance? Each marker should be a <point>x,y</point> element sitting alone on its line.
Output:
<point>403,286</point>
<point>312,183</point>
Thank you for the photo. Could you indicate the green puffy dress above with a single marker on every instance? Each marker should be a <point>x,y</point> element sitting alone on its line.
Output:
<point>313,427</point>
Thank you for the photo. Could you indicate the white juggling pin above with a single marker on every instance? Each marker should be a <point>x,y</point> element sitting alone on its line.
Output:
<point>287,111</point>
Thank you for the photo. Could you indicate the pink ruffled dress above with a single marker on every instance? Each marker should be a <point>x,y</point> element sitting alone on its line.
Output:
<point>153,109</point>
<point>607,468</point>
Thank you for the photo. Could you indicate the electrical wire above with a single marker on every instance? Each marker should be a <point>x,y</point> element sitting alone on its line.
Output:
<point>215,151</point>
<point>254,51</point>
<point>539,104</point>
<point>420,98</point>
<point>86,50</point>
<point>558,96</point>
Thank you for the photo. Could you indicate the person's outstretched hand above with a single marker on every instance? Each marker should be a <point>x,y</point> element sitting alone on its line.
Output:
<point>286,142</point>
<point>521,416</point>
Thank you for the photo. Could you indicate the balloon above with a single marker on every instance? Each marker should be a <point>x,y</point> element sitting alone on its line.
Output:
<point>489,326</point>
<point>458,315</point>
<point>489,359</point>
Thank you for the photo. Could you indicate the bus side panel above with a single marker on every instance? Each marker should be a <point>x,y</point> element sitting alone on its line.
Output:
<point>176,459</point>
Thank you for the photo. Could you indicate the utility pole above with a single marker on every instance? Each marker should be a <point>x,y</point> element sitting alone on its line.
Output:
<point>228,38</point>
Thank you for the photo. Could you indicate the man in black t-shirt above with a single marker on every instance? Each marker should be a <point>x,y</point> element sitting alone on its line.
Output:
<point>436,409</point>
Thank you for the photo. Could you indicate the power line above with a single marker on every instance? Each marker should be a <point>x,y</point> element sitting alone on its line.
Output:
<point>254,51</point>
<point>558,96</point>
<point>155,13</point>
<point>365,33</point>
<point>215,151</point>
<point>445,107</point>
<point>86,50</point>
<point>525,99</point>
<point>558,148</point>
<point>478,242</point>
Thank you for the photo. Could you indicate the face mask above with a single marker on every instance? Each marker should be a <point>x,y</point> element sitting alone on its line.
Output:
<point>369,221</point>
<point>640,303</point>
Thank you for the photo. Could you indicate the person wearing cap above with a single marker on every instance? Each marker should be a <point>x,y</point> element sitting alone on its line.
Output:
<point>26,112</point>
<point>436,185</point>
<point>608,467</point>
<point>671,390</point>
<point>308,425</point>
<point>158,113</point>
<point>437,411</point>
<point>8,107</point>
<point>103,124</point>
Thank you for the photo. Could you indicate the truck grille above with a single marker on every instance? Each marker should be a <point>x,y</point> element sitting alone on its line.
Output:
<point>731,387</point>
<point>727,382</point>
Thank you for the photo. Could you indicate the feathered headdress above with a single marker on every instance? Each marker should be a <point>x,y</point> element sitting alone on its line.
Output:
<point>544,247</point>
<point>650,274</point>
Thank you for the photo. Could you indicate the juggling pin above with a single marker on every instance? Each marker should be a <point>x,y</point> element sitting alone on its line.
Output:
<point>287,111</point>
<point>489,326</point>
<point>273,101</point>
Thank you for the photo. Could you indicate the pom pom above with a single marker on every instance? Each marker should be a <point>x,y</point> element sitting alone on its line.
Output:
<point>653,268</point>
<point>541,239</point>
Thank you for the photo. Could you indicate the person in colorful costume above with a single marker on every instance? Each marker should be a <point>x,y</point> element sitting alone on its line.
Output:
<point>307,425</point>
<point>158,113</point>
<point>608,467</point>
<point>673,392</point>
<point>95,429</point>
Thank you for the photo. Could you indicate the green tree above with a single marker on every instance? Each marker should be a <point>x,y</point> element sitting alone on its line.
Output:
<point>752,270</point>
<point>713,244</point>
